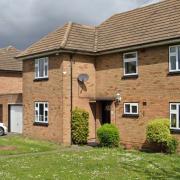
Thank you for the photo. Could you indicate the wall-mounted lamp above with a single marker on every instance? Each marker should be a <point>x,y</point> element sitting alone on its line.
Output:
<point>118,98</point>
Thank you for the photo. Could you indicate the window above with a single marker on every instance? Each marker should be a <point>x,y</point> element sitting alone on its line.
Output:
<point>130,63</point>
<point>131,108</point>
<point>174,58</point>
<point>175,115</point>
<point>41,112</point>
<point>41,68</point>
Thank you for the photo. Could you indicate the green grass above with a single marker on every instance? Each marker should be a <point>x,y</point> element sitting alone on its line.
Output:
<point>88,163</point>
<point>19,145</point>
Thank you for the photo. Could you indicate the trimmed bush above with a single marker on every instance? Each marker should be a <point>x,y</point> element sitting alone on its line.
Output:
<point>108,135</point>
<point>158,133</point>
<point>171,145</point>
<point>80,126</point>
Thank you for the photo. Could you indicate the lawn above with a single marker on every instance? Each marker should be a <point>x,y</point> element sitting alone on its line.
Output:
<point>85,163</point>
<point>10,145</point>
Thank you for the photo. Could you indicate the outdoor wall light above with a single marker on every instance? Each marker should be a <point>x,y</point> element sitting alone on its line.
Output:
<point>118,98</point>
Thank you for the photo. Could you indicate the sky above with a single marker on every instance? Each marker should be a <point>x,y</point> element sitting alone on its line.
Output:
<point>23,22</point>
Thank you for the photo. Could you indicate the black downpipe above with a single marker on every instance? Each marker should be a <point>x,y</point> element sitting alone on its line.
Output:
<point>71,84</point>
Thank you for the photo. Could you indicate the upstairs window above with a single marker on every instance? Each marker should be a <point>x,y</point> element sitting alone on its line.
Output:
<point>41,112</point>
<point>131,108</point>
<point>130,63</point>
<point>174,58</point>
<point>175,115</point>
<point>41,68</point>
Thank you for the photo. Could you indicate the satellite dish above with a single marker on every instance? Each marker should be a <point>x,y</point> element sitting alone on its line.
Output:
<point>83,78</point>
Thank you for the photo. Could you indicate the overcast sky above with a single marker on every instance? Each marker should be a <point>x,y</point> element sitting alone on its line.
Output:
<point>23,22</point>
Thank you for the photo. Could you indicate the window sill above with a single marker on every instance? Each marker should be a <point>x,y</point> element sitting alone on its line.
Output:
<point>40,124</point>
<point>175,131</point>
<point>134,76</point>
<point>175,73</point>
<point>41,79</point>
<point>131,115</point>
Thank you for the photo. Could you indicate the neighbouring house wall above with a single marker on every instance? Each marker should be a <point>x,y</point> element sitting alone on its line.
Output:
<point>50,90</point>
<point>5,101</point>
<point>82,93</point>
<point>154,89</point>
<point>10,82</point>
<point>10,92</point>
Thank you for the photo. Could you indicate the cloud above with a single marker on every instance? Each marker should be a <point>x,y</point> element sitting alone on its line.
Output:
<point>23,22</point>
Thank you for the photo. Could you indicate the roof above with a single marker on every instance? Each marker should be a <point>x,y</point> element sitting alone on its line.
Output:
<point>149,24</point>
<point>70,36</point>
<point>8,61</point>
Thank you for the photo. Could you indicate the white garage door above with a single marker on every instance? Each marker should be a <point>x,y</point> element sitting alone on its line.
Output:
<point>16,118</point>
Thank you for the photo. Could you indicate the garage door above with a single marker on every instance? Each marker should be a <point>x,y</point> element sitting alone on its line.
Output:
<point>16,118</point>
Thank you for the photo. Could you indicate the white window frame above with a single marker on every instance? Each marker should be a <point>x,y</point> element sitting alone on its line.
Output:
<point>176,55</point>
<point>37,119</point>
<point>177,115</point>
<point>125,60</point>
<point>37,68</point>
<point>131,104</point>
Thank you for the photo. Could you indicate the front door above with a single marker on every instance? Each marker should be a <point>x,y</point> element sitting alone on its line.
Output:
<point>106,112</point>
<point>16,118</point>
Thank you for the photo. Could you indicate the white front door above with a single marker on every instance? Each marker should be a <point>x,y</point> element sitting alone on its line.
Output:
<point>16,118</point>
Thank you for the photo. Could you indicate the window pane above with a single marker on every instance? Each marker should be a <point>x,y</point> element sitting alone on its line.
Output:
<point>173,49</point>
<point>173,107</point>
<point>173,120</point>
<point>130,67</point>
<point>41,109</point>
<point>173,62</point>
<point>130,55</point>
<point>36,71</point>
<point>41,118</point>
<point>178,57</point>
<point>127,108</point>
<point>41,68</point>
<point>134,109</point>
<point>46,70</point>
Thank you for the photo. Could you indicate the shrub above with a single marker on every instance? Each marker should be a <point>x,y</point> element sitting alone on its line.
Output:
<point>171,145</point>
<point>80,126</point>
<point>158,132</point>
<point>108,135</point>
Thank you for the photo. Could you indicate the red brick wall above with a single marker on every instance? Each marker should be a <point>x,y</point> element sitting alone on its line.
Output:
<point>83,93</point>
<point>153,86</point>
<point>10,92</point>
<point>5,100</point>
<point>48,90</point>
<point>11,82</point>
<point>57,91</point>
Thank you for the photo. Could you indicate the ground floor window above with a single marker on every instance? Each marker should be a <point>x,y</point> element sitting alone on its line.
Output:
<point>41,112</point>
<point>131,108</point>
<point>175,115</point>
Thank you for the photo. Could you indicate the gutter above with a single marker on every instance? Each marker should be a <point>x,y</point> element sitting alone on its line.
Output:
<point>99,53</point>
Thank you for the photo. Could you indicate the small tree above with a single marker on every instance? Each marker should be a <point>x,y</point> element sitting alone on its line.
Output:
<point>80,126</point>
<point>158,132</point>
<point>108,135</point>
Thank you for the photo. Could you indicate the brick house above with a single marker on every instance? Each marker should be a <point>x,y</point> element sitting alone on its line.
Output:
<point>11,89</point>
<point>132,56</point>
